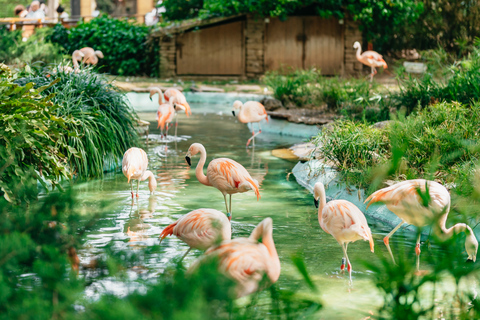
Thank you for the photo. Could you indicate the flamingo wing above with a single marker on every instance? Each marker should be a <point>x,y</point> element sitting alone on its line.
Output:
<point>134,163</point>
<point>165,115</point>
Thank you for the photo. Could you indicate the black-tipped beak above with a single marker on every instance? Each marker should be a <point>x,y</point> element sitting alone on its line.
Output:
<point>175,106</point>
<point>469,261</point>
<point>233,112</point>
<point>150,98</point>
<point>316,203</point>
<point>188,160</point>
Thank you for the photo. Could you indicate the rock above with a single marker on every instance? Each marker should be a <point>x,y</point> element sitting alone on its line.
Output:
<point>271,104</point>
<point>382,124</point>
<point>304,151</point>
<point>286,154</point>
<point>206,89</point>
<point>306,116</point>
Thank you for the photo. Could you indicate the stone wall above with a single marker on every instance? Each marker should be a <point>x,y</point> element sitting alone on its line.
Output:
<point>254,47</point>
<point>352,34</point>
<point>167,56</point>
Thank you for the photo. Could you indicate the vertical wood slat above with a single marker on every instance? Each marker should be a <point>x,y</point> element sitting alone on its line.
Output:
<point>281,44</point>
<point>212,51</point>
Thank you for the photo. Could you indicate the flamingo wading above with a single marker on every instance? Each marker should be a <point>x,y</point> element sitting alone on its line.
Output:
<point>165,112</point>
<point>87,55</point>
<point>200,229</point>
<point>246,260</point>
<point>225,174</point>
<point>250,112</point>
<point>134,167</point>
<point>405,201</point>
<point>370,58</point>
<point>343,220</point>
<point>178,100</point>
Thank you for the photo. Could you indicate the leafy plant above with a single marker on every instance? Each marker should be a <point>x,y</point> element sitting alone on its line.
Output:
<point>32,136</point>
<point>104,122</point>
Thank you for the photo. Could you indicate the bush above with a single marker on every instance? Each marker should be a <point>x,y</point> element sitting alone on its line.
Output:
<point>126,46</point>
<point>104,126</point>
<point>31,136</point>
<point>15,51</point>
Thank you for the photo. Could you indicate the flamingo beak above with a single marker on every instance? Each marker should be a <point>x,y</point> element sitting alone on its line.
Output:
<point>316,202</point>
<point>188,160</point>
<point>233,112</point>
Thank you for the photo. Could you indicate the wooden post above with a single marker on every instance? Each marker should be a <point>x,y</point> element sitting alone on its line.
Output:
<point>143,7</point>
<point>86,9</point>
<point>52,6</point>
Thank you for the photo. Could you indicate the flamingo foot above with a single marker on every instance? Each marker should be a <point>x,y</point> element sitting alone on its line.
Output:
<point>417,249</point>
<point>138,196</point>
<point>342,267</point>
<point>132,195</point>
<point>349,269</point>
<point>248,142</point>
<point>386,240</point>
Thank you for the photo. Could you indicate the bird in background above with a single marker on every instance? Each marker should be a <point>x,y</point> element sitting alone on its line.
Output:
<point>343,220</point>
<point>134,167</point>
<point>225,174</point>
<point>370,58</point>
<point>165,112</point>
<point>246,260</point>
<point>87,55</point>
<point>250,112</point>
<point>200,229</point>
<point>420,203</point>
<point>178,100</point>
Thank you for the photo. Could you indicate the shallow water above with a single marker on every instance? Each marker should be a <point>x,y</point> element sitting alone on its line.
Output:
<point>296,228</point>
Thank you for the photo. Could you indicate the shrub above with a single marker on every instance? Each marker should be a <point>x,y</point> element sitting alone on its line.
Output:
<point>104,126</point>
<point>126,47</point>
<point>15,51</point>
<point>31,136</point>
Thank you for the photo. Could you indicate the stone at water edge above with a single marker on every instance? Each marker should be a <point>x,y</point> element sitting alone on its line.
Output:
<point>271,104</point>
<point>286,154</point>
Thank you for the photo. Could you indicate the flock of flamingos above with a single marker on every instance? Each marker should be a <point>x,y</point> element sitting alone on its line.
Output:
<point>246,260</point>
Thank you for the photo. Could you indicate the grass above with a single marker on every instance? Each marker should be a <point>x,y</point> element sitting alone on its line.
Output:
<point>105,121</point>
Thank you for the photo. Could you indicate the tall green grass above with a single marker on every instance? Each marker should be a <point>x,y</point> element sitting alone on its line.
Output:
<point>105,121</point>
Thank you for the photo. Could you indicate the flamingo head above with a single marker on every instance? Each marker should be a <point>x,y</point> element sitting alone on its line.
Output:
<point>471,246</point>
<point>193,150</point>
<point>152,184</point>
<point>155,90</point>
<point>99,54</point>
<point>357,45</point>
<point>318,192</point>
<point>181,105</point>
<point>130,172</point>
<point>236,105</point>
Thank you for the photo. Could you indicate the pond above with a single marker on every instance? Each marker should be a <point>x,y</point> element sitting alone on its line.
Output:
<point>296,228</point>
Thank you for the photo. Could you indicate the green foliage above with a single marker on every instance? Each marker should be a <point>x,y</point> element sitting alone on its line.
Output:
<point>126,46</point>
<point>8,7</point>
<point>104,122</point>
<point>31,136</point>
<point>15,51</point>
<point>181,9</point>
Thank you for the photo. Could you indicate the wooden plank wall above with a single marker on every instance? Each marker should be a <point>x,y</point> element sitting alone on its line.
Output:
<point>217,50</point>
<point>305,42</point>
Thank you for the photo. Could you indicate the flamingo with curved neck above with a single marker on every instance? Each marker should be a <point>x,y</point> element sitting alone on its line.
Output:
<point>370,58</point>
<point>134,167</point>
<point>250,112</point>
<point>404,200</point>
<point>225,174</point>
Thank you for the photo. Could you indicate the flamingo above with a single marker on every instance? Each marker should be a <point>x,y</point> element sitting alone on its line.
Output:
<point>134,167</point>
<point>370,58</point>
<point>404,200</point>
<point>165,111</point>
<point>226,175</point>
<point>178,100</point>
<point>246,260</point>
<point>200,229</point>
<point>343,220</point>
<point>87,55</point>
<point>250,112</point>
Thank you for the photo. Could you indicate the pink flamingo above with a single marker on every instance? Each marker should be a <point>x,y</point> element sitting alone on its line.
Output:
<point>134,167</point>
<point>370,58</point>
<point>343,220</point>
<point>226,175</point>
<point>87,55</point>
<point>250,112</point>
<point>246,260</point>
<point>178,100</point>
<point>200,229</point>
<point>404,200</point>
<point>165,111</point>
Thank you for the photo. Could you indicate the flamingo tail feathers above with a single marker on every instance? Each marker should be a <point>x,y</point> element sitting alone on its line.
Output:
<point>254,186</point>
<point>168,231</point>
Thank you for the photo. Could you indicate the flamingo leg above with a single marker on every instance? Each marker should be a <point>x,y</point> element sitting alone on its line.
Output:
<point>131,187</point>
<point>417,251</point>
<point>230,204</point>
<point>226,206</point>
<point>386,240</point>
<point>138,186</point>
<point>254,134</point>
<point>371,74</point>
<point>349,266</point>
<point>176,125</point>
<point>186,254</point>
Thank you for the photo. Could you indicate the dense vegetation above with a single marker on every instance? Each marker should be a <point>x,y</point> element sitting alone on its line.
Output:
<point>104,122</point>
<point>126,46</point>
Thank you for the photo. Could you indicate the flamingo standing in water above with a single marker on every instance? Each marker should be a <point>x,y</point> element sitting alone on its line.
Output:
<point>343,220</point>
<point>250,112</point>
<point>405,201</point>
<point>226,175</point>
<point>134,167</point>
<point>200,229</point>
<point>165,111</point>
<point>178,100</point>
<point>246,260</point>
<point>87,55</point>
<point>370,58</point>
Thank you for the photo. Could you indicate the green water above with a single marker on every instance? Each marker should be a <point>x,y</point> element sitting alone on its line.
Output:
<point>296,228</point>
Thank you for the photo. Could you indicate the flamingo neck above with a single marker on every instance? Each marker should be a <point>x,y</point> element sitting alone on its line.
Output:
<point>152,183</point>
<point>359,53</point>
<point>265,232</point>
<point>322,202</point>
<point>199,170</point>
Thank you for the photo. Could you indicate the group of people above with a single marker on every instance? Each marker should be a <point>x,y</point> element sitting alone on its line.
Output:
<point>38,10</point>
